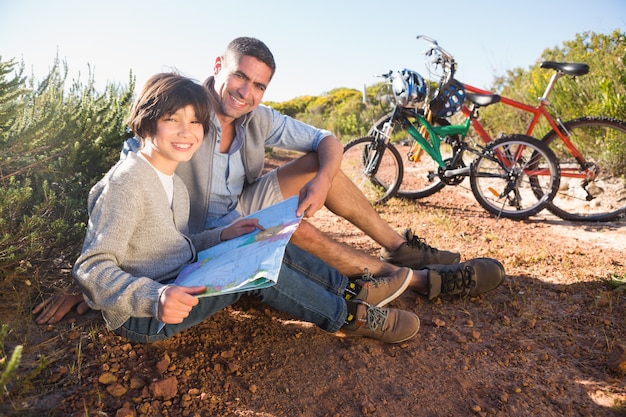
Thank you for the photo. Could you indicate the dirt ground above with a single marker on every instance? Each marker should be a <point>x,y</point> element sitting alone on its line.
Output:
<point>550,341</point>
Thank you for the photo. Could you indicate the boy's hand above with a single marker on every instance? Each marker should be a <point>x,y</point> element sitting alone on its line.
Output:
<point>240,227</point>
<point>176,302</point>
<point>56,307</point>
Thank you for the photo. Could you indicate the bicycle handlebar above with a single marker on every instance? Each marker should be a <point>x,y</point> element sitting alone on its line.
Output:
<point>440,56</point>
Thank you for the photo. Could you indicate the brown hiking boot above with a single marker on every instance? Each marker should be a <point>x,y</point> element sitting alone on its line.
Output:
<point>389,325</point>
<point>473,277</point>
<point>383,290</point>
<point>416,253</point>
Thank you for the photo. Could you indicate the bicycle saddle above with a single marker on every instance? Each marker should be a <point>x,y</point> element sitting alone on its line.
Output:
<point>482,100</point>
<point>567,67</point>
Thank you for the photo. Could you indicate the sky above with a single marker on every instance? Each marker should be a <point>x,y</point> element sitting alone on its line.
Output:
<point>318,45</point>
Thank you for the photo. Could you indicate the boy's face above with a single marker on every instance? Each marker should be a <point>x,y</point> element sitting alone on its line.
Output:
<point>240,85</point>
<point>177,137</point>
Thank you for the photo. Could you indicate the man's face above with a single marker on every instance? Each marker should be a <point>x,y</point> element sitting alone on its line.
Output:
<point>240,85</point>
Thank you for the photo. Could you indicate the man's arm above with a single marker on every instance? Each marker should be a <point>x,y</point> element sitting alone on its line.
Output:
<point>313,194</point>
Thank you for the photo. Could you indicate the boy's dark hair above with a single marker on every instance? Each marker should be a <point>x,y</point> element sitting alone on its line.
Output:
<point>253,47</point>
<point>164,94</point>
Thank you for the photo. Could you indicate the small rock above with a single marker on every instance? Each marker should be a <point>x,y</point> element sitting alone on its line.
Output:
<point>166,388</point>
<point>228,354</point>
<point>116,390</point>
<point>439,322</point>
<point>125,411</point>
<point>162,365</point>
<point>107,378</point>
<point>233,367</point>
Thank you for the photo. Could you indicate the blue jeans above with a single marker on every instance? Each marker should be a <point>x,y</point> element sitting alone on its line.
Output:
<point>307,288</point>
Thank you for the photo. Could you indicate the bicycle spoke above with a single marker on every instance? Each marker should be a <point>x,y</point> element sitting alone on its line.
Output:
<point>596,192</point>
<point>377,174</point>
<point>516,177</point>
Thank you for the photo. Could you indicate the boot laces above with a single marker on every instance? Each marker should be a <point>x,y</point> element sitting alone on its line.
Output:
<point>368,277</point>
<point>376,318</point>
<point>455,281</point>
<point>415,241</point>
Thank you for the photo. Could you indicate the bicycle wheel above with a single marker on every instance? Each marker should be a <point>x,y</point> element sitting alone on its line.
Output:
<point>602,142</point>
<point>376,169</point>
<point>515,177</point>
<point>421,177</point>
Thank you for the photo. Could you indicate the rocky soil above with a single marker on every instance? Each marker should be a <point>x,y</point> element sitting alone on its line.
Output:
<point>549,342</point>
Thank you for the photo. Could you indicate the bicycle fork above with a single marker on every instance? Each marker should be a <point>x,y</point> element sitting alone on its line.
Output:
<point>375,151</point>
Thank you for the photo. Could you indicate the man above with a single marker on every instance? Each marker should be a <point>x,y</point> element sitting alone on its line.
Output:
<point>225,181</point>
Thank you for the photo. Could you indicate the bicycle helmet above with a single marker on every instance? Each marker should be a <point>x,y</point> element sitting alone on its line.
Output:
<point>448,99</point>
<point>409,88</point>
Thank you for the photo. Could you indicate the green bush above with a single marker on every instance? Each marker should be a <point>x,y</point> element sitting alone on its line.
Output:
<point>56,142</point>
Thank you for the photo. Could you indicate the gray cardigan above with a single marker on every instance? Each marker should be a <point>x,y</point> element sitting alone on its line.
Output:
<point>135,242</point>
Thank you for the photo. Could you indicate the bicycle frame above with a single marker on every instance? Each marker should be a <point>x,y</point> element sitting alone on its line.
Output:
<point>537,112</point>
<point>435,133</point>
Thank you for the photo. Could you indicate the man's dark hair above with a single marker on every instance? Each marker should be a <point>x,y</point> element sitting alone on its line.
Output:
<point>253,47</point>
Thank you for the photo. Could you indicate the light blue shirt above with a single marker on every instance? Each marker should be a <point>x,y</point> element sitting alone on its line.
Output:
<point>226,188</point>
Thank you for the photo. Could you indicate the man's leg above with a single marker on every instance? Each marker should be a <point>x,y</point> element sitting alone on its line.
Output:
<point>346,200</point>
<point>349,261</point>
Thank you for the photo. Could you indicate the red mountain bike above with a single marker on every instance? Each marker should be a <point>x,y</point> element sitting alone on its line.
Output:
<point>593,179</point>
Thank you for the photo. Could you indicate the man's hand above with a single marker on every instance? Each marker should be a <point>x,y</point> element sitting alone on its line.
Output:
<point>56,307</point>
<point>312,196</point>
<point>176,302</point>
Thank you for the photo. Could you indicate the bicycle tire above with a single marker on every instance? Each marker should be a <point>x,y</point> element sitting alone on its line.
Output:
<point>521,189</point>
<point>384,163</point>
<point>420,177</point>
<point>599,140</point>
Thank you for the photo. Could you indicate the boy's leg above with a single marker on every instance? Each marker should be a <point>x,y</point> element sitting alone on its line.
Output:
<point>308,289</point>
<point>146,329</point>
<point>311,290</point>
